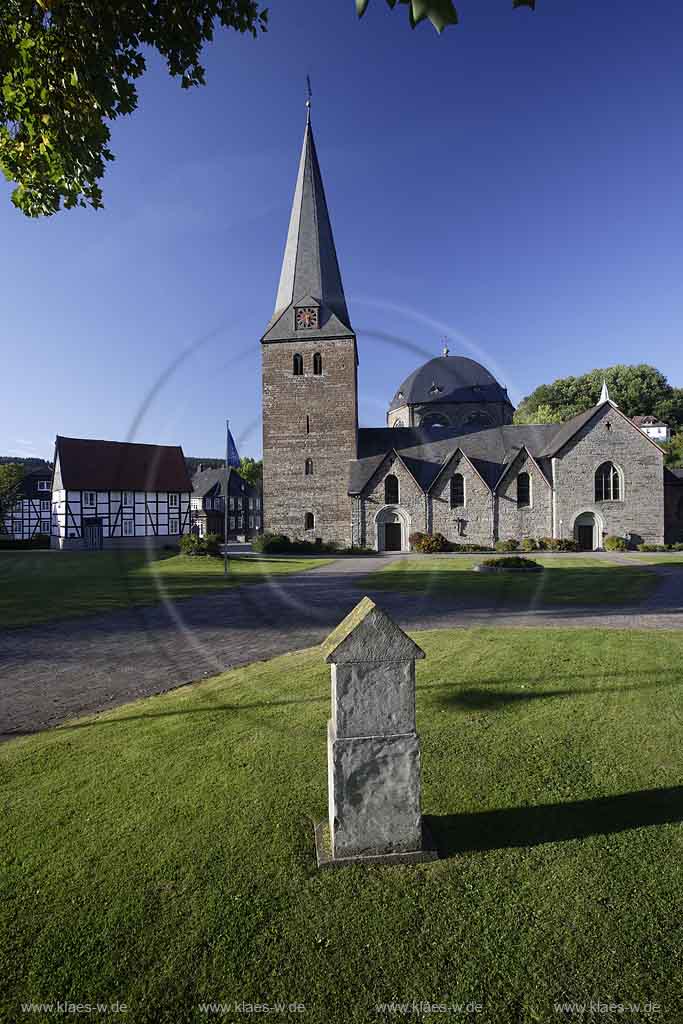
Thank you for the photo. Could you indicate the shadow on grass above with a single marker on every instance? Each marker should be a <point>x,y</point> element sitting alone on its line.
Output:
<point>477,698</point>
<point>259,705</point>
<point>454,834</point>
<point>599,585</point>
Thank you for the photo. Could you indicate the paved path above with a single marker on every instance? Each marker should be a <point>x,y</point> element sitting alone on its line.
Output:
<point>52,672</point>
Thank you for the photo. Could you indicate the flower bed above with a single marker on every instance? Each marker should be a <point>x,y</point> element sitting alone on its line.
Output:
<point>514,564</point>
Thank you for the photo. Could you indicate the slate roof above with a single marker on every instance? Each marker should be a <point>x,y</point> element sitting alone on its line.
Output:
<point>566,430</point>
<point>648,421</point>
<point>207,482</point>
<point>310,272</point>
<point>425,452</point>
<point>121,465</point>
<point>449,379</point>
<point>28,487</point>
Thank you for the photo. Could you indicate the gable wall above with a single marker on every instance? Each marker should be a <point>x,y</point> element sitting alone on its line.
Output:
<point>535,521</point>
<point>476,514</point>
<point>411,500</point>
<point>641,512</point>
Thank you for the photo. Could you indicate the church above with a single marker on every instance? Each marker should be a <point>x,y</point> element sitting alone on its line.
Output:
<point>449,459</point>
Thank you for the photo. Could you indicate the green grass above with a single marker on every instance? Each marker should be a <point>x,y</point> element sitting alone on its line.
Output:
<point>39,586</point>
<point>162,854</point>
<point>565,580</point>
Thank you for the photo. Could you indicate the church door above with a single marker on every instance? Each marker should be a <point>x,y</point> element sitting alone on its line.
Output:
<point>585,538</point>
<point>392,536</point>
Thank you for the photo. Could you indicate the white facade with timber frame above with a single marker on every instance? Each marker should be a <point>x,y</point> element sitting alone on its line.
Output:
<point>111,494</point>
<point>31,514</point>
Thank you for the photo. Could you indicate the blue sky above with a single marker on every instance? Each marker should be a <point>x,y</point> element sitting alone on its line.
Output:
<point>515,184</point>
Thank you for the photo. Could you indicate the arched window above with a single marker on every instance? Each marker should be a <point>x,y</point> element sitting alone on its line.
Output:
<point>607,482</point>
<point>523,490</point>
<point>308,467</point>
<point>391,490</point>
<point>398,423</point>
<point>298,365</point>
<point>317,364</point>
<point>457,490</point>
<point>434,421</point>
<point>309,521</point>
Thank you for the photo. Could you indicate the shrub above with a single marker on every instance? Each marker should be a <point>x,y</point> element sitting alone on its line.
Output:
<point>529,544</point>
<point>212,544</point>
<point>430,543</point>
<point>193,544</point>
<point>39,540</point>
<point>555,544</point>
<point>507,545</point>
<point>614,543</point>
<point>656,547</point>
<point>470,548</point>
<point>271,543</point>
<point>515,562</point>
<point>415,539</point>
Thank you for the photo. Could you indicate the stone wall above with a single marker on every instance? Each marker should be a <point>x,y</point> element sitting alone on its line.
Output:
<point>411,500</point>
<point>534,521</point>
<point>328,438</point>
<point>640,510</point>
<point>475,515</point>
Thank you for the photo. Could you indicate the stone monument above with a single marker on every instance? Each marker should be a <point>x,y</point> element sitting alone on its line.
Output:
<point>373,750</point>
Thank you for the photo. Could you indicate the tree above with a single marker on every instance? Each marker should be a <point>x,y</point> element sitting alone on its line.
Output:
<point>11,475</point>
<point>251,470</point>
<point>637,390</point>
<point>674,451</point>
<point>440,12</point>
<point>69,66</point>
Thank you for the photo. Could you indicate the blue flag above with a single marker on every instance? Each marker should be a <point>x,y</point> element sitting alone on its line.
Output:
<point>233,454</point>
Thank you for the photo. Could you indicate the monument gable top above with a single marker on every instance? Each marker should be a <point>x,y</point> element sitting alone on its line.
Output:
<point>367,634</point>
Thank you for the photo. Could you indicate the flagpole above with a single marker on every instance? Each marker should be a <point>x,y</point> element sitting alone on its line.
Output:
<point>227,483</point>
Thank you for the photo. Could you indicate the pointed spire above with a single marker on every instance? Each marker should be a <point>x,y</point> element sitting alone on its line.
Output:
<point>604,394</point>
<point>310,271</point>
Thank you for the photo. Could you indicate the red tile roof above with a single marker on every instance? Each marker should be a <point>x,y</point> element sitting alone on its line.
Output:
<point>121,465</point>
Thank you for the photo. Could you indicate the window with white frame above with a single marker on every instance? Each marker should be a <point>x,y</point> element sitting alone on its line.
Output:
<point>240,502</point>
<point>209,504</point>
<point>127,498</point>
<point>43,485</point>
<point>258,522</point>
<point>251,503</point>
<point>173,500</point>
<point>251,522</point>
<point>258,503</point>
<point>232,503</point>
<point>128,528</point>
<point>90,499</point>
<point>232,522</point>
<point>45,525</point>
<point>173,526</point>
<point>44,504</point>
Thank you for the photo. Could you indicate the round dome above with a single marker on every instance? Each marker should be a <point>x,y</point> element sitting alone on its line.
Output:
<point>449,379</point>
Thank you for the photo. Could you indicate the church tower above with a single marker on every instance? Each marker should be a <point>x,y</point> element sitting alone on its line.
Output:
<point>310,400</point>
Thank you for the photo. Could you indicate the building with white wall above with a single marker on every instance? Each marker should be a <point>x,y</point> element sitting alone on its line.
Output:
<point>113,494</point>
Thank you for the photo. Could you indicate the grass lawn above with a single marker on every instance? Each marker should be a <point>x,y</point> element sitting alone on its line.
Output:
<point>565,580</point>
<point>37,586</point>
<point>162,854</point>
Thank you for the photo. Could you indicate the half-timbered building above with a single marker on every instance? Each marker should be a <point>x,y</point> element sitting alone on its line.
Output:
<point>113,494</point>
<point>31,514</point>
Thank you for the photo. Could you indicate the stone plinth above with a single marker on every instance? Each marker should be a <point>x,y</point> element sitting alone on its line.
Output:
<point>373,751</point>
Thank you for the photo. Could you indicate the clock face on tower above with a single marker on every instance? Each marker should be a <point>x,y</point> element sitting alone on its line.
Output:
<point>306,318</point>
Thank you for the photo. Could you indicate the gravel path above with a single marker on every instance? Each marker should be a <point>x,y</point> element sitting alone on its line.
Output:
<point>53,672</point>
